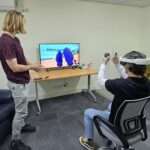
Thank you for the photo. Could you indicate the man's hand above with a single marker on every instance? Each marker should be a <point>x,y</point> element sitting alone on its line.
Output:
<point>37,67</point>
<point>115,59</point>
<point>106,59</point>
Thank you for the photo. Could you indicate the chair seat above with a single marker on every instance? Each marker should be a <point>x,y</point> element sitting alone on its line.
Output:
<point>110,135</point>
<point>135,138</point>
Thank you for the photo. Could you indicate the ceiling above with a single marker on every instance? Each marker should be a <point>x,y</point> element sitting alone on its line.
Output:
<point>135,3</point>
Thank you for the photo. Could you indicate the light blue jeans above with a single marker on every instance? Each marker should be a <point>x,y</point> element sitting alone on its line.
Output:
<point>19,93</point>
<point>89,114</point>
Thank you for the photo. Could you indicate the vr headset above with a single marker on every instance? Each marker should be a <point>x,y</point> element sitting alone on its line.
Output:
<point>136,58</point>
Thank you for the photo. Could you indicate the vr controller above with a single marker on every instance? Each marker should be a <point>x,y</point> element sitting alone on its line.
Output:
<point>108,54</point>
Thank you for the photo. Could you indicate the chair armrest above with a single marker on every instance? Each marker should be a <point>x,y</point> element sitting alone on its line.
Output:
<point>98,121</point>
<point>5,96</point>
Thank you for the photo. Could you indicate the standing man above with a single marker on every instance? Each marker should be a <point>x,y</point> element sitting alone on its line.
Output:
<point>16,68</point>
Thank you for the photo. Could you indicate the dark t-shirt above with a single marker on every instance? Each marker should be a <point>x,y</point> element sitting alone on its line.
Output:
<point>11,48</point>
<point>126,89</point>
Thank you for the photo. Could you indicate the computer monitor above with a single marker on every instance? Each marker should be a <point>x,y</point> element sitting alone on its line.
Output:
<point>59,55</point>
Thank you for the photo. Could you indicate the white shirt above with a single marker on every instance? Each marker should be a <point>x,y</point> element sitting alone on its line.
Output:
<point>102,74</point>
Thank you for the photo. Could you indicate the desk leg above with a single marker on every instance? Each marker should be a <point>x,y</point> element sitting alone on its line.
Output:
<point>37,98</point>
<point>89,88</point>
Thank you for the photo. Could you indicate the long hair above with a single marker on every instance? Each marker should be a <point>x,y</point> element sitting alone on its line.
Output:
<point>14,22</point>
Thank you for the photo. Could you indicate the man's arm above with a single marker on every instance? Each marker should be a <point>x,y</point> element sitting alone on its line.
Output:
<point>15,67</point>
<point>121,71</point>
<point>119,67</point>
<point>102,75</point>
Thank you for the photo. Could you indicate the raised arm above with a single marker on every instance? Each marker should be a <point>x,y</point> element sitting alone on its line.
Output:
<point>102,74</point>
<point>119,67</point>
<point>121,71</point>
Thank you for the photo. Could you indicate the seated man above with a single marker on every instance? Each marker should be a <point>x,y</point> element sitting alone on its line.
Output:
<point>132,85</point>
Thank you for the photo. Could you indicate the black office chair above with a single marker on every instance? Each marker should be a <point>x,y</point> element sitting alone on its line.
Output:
<point>147,111</point>
<point>129,125</point>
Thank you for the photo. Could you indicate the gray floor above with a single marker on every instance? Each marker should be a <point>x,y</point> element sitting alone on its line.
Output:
<point>61,123</point>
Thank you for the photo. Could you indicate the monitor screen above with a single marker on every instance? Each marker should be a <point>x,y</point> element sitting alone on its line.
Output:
<point>53,55</point>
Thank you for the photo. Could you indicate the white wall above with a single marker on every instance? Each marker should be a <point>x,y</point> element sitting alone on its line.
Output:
<point>97,27</point>
<point>146,31</point>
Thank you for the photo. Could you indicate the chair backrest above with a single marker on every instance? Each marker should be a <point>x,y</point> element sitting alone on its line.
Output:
<point>130,119</point>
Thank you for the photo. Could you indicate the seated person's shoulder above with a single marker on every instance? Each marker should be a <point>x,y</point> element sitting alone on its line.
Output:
<point>148,82</point>
<point>118,81</point>
<point>114,85</point>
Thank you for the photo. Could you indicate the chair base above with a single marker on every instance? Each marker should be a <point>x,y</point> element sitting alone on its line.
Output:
<point>105,148</point>
<point>115,148</point>
<point>121,148</point>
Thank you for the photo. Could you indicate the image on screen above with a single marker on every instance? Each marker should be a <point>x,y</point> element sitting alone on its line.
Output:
<point>59,54</point>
